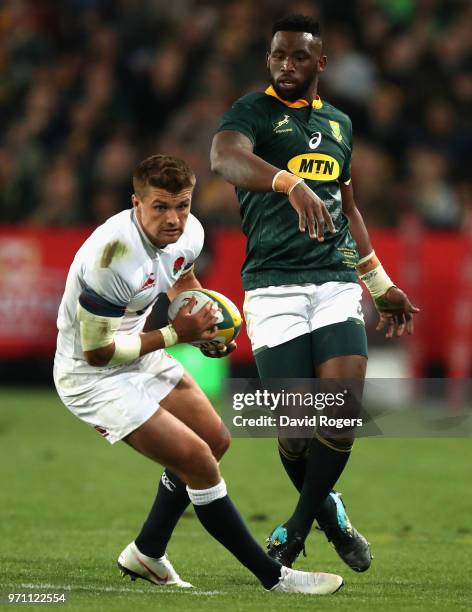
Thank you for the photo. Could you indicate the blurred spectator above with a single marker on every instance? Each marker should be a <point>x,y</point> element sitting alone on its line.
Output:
<point>115,164</point>
<point>104,203</point>
<point>59,196</point>
<point>432,197</point>
<point>372,170</point>
<point>383,123</point>
<point>350,74</point>
<point>88,87</point>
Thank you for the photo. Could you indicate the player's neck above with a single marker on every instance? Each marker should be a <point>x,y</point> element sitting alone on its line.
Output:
<point>312,92</point>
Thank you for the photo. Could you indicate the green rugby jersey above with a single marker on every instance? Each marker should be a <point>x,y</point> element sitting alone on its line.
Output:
<point>314,142</point>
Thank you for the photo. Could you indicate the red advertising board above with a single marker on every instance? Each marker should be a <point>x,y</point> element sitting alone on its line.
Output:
<point>33,269</point>
<point>431,266</point>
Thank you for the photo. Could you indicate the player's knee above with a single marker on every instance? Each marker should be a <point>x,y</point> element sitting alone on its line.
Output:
<point>199,461</point>
<point>294,448</point>
<point>220,442</point>
<point>341,444</point>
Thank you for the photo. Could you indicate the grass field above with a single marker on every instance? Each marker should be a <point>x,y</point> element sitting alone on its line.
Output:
<point>71,502</point>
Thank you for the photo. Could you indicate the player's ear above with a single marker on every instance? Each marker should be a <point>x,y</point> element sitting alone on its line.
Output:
<point>322,61</point>
<point>134,200</point>
<point>267,58</point>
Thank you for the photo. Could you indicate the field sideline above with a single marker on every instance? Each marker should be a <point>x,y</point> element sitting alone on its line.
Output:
<point>71,502</point>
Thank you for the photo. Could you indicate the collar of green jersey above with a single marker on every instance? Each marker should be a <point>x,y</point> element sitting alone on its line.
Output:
<point>301,103</point>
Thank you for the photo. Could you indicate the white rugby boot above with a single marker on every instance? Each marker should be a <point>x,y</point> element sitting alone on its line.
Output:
<point>158,571</point>
<point>311,583</point>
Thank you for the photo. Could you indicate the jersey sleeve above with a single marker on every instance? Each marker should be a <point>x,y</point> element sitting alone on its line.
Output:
<point>106,292</point>
<point>196,240</point>
<point>345,175</point>
<point>243,117</point>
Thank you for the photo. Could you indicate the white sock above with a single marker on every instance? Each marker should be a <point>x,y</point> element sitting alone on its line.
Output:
<point>202,497</point>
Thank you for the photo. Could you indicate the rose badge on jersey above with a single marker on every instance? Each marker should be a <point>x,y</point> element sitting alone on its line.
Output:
<point>178,264</point>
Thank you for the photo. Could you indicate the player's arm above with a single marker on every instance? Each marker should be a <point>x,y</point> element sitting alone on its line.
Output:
<point>396,310</point>
<point>103,345</point>
<point>186,282</point>
<point>232,157</point>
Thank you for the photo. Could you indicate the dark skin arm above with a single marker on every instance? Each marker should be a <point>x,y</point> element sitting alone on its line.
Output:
<point>232,157</point>
<point>395,309</point>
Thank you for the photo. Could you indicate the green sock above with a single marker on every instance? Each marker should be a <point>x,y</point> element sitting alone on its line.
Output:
<point>316,486</point>
<point>295,469</point>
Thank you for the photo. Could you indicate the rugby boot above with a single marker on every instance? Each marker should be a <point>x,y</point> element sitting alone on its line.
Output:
<point>157,571</point>
<point>350,545</point>
<point>283,547</point>
<point>310,583</point>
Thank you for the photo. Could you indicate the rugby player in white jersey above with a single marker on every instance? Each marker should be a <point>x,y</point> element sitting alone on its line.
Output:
<point>120,381</point>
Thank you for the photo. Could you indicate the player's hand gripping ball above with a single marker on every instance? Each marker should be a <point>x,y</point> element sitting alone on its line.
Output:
<point>228,316</point>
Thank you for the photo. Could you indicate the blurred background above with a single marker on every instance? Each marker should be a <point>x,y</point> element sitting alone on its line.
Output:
<point>90,87</point>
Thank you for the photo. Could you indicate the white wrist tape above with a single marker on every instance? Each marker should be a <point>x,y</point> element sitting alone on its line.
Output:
<point>285,182</point>
<point>366,258</point>
<point>377,281</point>
<point>300,180</point>
<point>274,179</point>
<point>202,497</point>
<point>170,335</point>
<point>127,348</point>
<point>96,331</point>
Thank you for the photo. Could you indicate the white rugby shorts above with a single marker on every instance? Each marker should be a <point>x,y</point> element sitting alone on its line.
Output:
<point>116,401</point>
<point>275,315</point>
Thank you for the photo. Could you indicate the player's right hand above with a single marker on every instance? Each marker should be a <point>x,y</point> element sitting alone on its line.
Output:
<point>312,212</point>
<point>395,313</point>
<point>198,326</point>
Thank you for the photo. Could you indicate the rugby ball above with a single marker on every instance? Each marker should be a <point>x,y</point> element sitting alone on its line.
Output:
<point>228,316</point>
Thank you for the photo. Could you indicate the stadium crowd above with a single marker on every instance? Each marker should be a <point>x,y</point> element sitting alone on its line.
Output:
<point>90,87</point>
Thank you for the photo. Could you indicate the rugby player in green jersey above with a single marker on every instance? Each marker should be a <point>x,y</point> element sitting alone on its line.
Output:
<point>288,153</point>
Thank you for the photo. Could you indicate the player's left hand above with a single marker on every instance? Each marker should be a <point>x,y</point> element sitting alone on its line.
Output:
<point>396,313</point>
<point>218,349</point>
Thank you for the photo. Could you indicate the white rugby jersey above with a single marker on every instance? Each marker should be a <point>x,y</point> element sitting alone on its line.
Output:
<point>119,272</point>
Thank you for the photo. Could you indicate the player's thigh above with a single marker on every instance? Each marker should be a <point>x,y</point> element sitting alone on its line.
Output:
<point>348,367</point>
<point>342,376</point>
<point>190,405</point>
<point>276,315</point>
<point>277,324</point>
<point>338,325</point>
<point>292,359</point>
<point>166,440</point>
<point>114,403</point>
